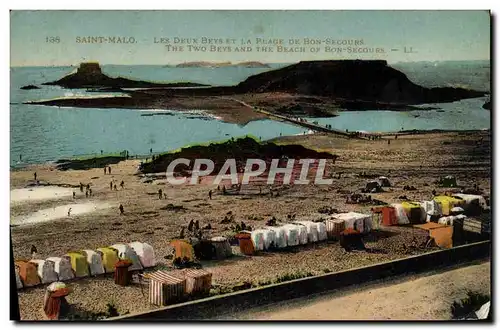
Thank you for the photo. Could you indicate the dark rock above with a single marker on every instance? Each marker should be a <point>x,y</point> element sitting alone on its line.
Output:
<point>28,87</point>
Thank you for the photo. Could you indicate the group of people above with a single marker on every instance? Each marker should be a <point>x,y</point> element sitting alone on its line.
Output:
<point>108,169</point>
<point>113,185</point>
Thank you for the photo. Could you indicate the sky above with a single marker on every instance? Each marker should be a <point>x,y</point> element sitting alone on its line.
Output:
<point>427,36</point>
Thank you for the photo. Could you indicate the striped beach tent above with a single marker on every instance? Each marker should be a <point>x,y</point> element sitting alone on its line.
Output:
<point>166,288</point>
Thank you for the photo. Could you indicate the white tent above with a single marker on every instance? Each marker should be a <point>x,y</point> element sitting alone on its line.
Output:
<point>126,252</point>
<point>354,220</point>
<point>19,283</point>
<point>292,234</point>
<point>432,208</point>
<point>312,230</point>
<point>145,252</point>
<point>46,270</point>
<point>469,199</point>
<point>280,236</point>
<point>258,240</point>
<point>448,220</point>
<point>401,214</point>
<point>268,237</point>
<point>302,233</point>
<point>94,260</point>
<point>321,228</point>
<point>62,267</point>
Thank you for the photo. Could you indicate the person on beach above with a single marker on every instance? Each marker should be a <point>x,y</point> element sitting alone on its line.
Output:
<point>101,152</point>
<point>90,192</point>
<point>210,194</point>
<point>74,195</point>
<point>122,184</point>
<point>88,186</point>
<point>109,169</point>
<point>81,187</point>
<point>115,188</point>
<point>20,158</point>
<point>224,190</point>
<point>69,212</point>
<point>104,170</point>
<point>121,209</point>
<point>164,195</point>
<point>388,141</point>
<point>160,193</point>
<point>86,194</point>
<point>34,175</point>
<point>151,150</point>
<point>110,185</point>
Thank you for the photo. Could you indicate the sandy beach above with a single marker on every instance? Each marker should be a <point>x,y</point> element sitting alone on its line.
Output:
<point>417,160</point>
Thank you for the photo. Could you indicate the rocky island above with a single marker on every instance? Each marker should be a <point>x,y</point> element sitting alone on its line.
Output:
<point>89,75</point>
<point>313,88</point>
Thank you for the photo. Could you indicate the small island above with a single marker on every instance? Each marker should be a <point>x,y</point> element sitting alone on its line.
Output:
<point>89,75</point>
<point>28,87</point>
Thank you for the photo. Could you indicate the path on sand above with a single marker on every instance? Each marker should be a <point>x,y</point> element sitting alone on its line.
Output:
<point>418,297</point>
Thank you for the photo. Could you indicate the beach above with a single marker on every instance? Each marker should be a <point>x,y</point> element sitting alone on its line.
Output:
<point>417,160</point>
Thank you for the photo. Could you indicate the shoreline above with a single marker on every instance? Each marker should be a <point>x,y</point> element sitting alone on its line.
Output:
<point>54,163</point>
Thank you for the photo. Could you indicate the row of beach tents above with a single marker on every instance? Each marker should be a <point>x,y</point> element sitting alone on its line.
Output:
<point>441,209</point>
<point>302,232</point>
<point>85,263</point>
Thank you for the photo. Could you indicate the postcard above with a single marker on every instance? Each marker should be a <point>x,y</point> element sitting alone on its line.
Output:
<point>250,165</point>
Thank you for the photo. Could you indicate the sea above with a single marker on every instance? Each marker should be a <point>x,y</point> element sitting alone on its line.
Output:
<point>40,134</point>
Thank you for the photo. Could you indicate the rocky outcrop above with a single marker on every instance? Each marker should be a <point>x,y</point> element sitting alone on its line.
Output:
<point>89,75</point>
<point>240,149</point>
<point>487,105</point>
<point>353,80</point>
<point>28,87</point>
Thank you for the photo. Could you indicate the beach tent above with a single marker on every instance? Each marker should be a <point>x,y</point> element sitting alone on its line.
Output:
<point>19,283</point>
<point>126,252</point>
<point>400,214</point>
<point>94,261</point>
<point>449,181</point>
<point>474,204</point>
<point>357,221</point>
<point>145,252</point>
<point>268,237</point>
<point>312,230</point>
<point>166,288</point>
<point>79,264</point>
<point>321,228</point>
<point>109,258</point>
<point>441,233</point>
<point>258,240</point>
<point>182,250</point>
<point>447,203</point>
<point>334,227</point>
<point>279,237</point>
<point>415,213</point>
<point>384,181</point>
<point>62,267</point>
<point>292,234</point>
<point>245,242</point>
<point>302,233</point>
<point>46,270</point>
<point>222,248</point>
<point>28,273</point>
<point>389,215</point>
<point>448,220</point>
<point>373,186</point>
<point>432,208</point>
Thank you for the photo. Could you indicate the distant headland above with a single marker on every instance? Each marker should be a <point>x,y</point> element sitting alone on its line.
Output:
<point>204,64</point>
